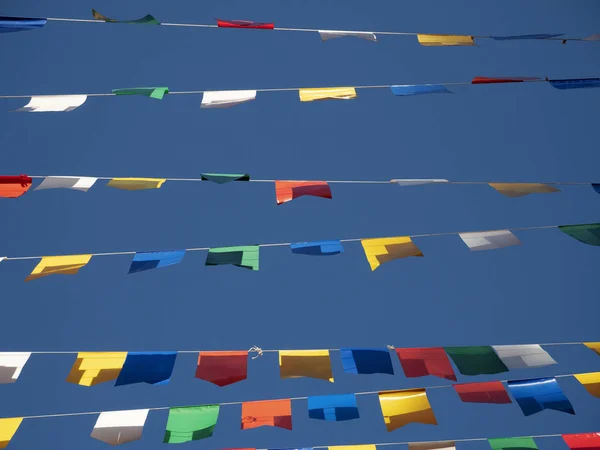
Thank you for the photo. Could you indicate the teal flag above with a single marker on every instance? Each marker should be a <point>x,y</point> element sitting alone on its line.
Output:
<point>152,92</point>
<point>147,19</point>
<point>245,256</point>
<point>587,233</point>
<point>476,360</point>
<point>222,178</point>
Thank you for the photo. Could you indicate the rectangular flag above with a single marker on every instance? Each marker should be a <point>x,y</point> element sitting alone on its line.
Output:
<point>152,92</point>
<point>404,90</point>
<point>436,40</point>
<point>147,367</point>
<point>268,413</point>
<point>520,443</point>
<point>590,381</point>
<point>155,260</point>
<point>59,265</point>
<point>437,445</point>
<point>537,394</point>
<point>12,24</point>
<point>594,346</point>
<point>317,248</point>
<point>419,362</point>
<point>245,257</point>
<point>120,427</point>
<point>226,99</point>
<point>82,184</point>
<point>496,80</point>
<point>575,83</point>
<point>286,191</point>
<point>351,447</point>
<point>382,250</point>
<point>489,240</point>
<point>53,103</point>
<point>366,360</point>
<point>335,408</point>
<point>335,93</point>
<point>332,34</point>
<point>399,408</point>
<point>11,365</point>
<point>584,441</point>
<point>222,368</point>
<point>146,20</point>
<point>586,233</point>
<point>305,363</point>
<point>513,190</point>
<point>93,368</point>
<point>136,184</point>
<point>476,360</point>
<point>244,24</point>
<point>523,356</point>
<point>8,428</point>
<point>223,178</point>
<point>13,186</point>
<point>190,423</point>
<point>483,392</point>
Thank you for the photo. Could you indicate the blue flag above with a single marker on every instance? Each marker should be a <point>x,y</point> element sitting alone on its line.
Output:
<point>155,260</point>
<point>537,394</point>
<point>366,360</point>
<point>147,367</point>
<point>335,408</point>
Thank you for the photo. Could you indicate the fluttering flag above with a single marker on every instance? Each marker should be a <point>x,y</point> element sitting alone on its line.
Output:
<point>335,408</point>
<point>483,392</point>
<point>476,360</point>
<point>382,250</point>
<point>366,360</point>
<point>596,187</point>
<point>419,362</point>
<point>595,346</point>
<point>223,178</point>
<point>13,186</point>
<point>438,445</point>
<point>245,24</point>
<point>318,248</point>
<point>487,80</point>
<point>349,447</point>
<point>53,103</point>
<point>419,89</point>
<point>513,190</point>
<point>537,394</point>
<point>2,258</point>
<point>9,24</point>
<point>190,423</point>
<point>92,368</point>
<point>335,93</point>
<point>222,368</point>
<point>417,181</point>
<point>519,37</point>
<point>588,233</point>
<point>332,34</point>
<point>399,408</point>
<point>575,83</point>
<point>246,257</point>
<point>268,413</point>
<point>437,40</point>
<point>584,441</point>
<point>11,365</point>
<point>286,191</point>
<point>136,184</point>
<point>146,20</point>
<point>120,427</point>
<point>519,443</point>
<point>152,92</point>
<point>147,367</point>
<point>226,99</point>
<point>590,381</point>
<point>305,363</point>
<point>523,356</point>
<point>155,260</point>
<point>8,428</point>
<point>82,184</point>
<point>59,265</point>
<point>489,240</point>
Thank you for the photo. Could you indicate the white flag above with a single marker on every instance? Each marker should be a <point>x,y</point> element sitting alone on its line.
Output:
<point>332,34</point>
<point>489,240</point>
<point>120,427</point>
<point>226,99</point>
<point>523,356</point>
<point>2,258</point>
<point>417,181</point>
<point>11,365</point>
<point>53,103</point>
<point>76,183</point>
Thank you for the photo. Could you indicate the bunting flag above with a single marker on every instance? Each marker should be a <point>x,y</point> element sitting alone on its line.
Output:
<point>520,443</point>
<point>595,346</point>
<point>2,258</point>
<point>439,445</point>
<point>155,260</point>
<point>418,182</point>
<point>10,24</point>
<point>513,190</point>
<point>575,83</point>
<point>286,191</point>
<point>584,441</point>
<point>53,103</point>
<point>223,178</point>
<point>13,186</point>
<point>136,184</point>
<point>335,93</point>
<point>382,250</point>
<point>226,99</point>
<point>92,368</point>
<point>59,265</point>
<point>146,20</point>
<point>437,40</point>
<point>489,240</point>
<point>399,408</point>
<point>222,368</point>
<point>419,362</point>
<point>335,408</point>
<point>244,24</point>
<point>268,413</point>
<point>590,381</point>
<point>244,256</point>
<point>596,187</point>
<point>305,363</point>
<point>318,248</point>
<point>147,367</point>
<point>11,365</point>
<point>484,392</point>
<point>523,356</point>
<point>332,34</point>
<point>587,233</point>
<point>476,360</point>
<point>8,428</point>
<point>418,89</point>
<point>82,184</point>
<point>519,37</point>
<point>190,423</point>
<point>349,447</point>
<point>488,80</point>
<point>537,394</point>
<point>120,427</point>
<point>152,92</point>
<point>366,360</point>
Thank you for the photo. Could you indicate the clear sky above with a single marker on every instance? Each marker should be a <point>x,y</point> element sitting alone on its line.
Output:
<point>543,291</point>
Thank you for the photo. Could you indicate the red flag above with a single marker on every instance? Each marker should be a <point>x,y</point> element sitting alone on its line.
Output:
<point>286,191</point>
<point>222,368</point>
<point>14,186</point>
<point>244,24</point>
<point>585,441</point>
<point>486,80</point>
<point>418,362</point>
<point>485,392</point>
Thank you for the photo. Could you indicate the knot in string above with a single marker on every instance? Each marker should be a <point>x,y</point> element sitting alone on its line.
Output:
<point>257,350</point>
<point>391,347</point>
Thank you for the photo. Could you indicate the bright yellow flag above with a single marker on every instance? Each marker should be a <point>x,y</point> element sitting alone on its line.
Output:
<point>136,184</point>
<point>352,447</point>
<point>520,189</point>
<point>590,381</point>
<point>382,250</point>
<point>438,40</point>
<point>593,346</point>
<point>8,428</point>
<point>53,265</point>
<point>400,408</point>
<point>305,363</point>
<point>93,368</point>
<point>339,93</point>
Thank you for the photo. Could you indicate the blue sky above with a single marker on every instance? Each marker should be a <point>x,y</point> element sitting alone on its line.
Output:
<point>542,291</point>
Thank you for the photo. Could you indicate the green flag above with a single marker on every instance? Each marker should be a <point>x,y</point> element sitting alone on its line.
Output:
<point>587,233</point>
<point>222,178</point>
<point>520,443</point>
<point>191,423</point>
<point>476,360</point>
<point>147,19</point>
<point>152,92</point>
<point>245,256</point>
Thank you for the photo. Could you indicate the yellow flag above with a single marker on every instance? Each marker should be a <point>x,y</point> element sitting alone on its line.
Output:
<point>136,184</point>
<point>520,189</point>
<point>65,265</point>
<point>339,93</point>
<point>400,408</point>
<point>93,368</point>
<point>8,428</point>
<point>593,346</point>
<point>591,382</point>
<point>382,250</point>
<point>437,40</point>
<point>352,447</point>
<point>305,363</point>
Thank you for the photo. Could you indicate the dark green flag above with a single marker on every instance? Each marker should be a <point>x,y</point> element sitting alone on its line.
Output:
<point>222,178</point>
<point>147,19</point>
<point>244,256</point>
<point>520,443</point>
<point>476,360</point>
<point>152,92</point>
<point>191,423</point>
<point>587,233</point>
